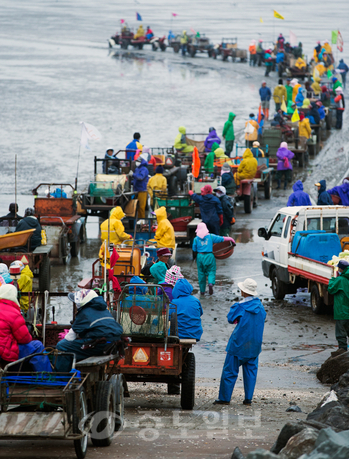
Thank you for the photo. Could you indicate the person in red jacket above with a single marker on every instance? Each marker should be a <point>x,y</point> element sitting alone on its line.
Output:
<point>15,339</point>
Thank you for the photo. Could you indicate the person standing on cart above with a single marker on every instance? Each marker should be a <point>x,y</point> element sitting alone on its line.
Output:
<point>245,344</point>
<point>140,182</point>
<point>210,208</point>
<point>229,134</point>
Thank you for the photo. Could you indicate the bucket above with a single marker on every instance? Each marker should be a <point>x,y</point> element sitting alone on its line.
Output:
<point>181,223</point>
<point>223,250</point>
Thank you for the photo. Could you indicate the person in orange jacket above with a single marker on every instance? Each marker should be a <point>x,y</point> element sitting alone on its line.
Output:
<point>251,130</point>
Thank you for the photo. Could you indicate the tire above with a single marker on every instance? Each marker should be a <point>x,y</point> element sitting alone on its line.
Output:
<point>45,275</point>
<point>176,49</point>
<point>117,381</point>
<point>248,202</point>
<point>224,57</point>
<point>317,303</point>
<point>173,389</point>
<point>163,47</point>
<point>278,287</point>
<point>64,249</point>
<point>154,47</point>
<point>75,248</point>
<point>81,444</point>
<point>172,185</point>
<point>267,187</point>
<point>188,383</point>
<point>83,233</point>
<point>105,403</point>
<point>192,52</point>
<point>301,160</point>
<point>174,324</point>
<point>140,46</point>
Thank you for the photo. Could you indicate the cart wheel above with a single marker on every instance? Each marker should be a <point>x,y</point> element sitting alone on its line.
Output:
<point>118,384</point>
<point>81,444</point>
<point>174,325</point>
<point>83,233</point>
<point>163,47</point>
<point>64,249</point>
<point>301,160</point>
<point>176,48</point>
<point>154,47</point>
<point>140,46</point>
<point>75,248</point>
<point>248,202</point>
<point>278,287</point>
<point>267,187</point>
<point>188,383</point>
<point>103,420</point>
<point>224,57</point>
<point>317,303</point>
<point>192,52</point>
<point>45,275</point>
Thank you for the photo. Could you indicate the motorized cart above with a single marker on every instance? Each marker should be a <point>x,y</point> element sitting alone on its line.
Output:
<point>229,48</point>
<point>201,45</point>
<point>16,246</point>
<point>87,401</point>
<point>155,353</point>
<point>65,228</point>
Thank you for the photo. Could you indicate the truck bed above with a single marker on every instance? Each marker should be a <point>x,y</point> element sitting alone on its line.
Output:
<point>310,269</point>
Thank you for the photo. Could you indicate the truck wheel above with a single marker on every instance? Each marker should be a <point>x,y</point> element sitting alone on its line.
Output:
<point>81,444</point>
<point>45,275</point>
<point>267,187</point>
<point>248,202</point>
<point>277,286</point>
<point>117,381</point>
<point>75,248</point>
<point>103,420</point>
<point>317,303</point>
<point>188,383</point>
<point>174,324</point>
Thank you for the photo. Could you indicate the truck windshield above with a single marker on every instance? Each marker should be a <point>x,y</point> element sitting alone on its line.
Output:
<point>278,224</point>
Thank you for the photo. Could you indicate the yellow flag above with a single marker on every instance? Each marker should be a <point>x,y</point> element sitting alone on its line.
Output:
<point>295,116</point>
<point>261,20</point>
<point>277,15</point>
<point>283,107</point>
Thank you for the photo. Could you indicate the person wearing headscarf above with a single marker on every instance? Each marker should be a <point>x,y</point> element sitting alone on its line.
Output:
<point>336,84</point>
<point>210,208</point>
<point>211,139</point>
<point>157,183</point>
<point>25,283</point>
<point>171,277</point>
<point>284,167</point>
<point>30,222</point>
<point>140,182</point>
<point>205,260</point>
<point>228,211</point>
<point>15,339</point>
<point>164,255</point>
<point>93,321</point>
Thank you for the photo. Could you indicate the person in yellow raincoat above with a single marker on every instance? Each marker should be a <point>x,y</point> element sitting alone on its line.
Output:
<point>158,183</point>
<point>306,103</point>
<point>300,63</point>
<point>25,284</point>
<point>316,87</point>
<point>248,167</point>
<point>327,47</point>
<point>164,236</point>
<point>180,141</point>
<point>319,70</point>
<point>221,158</point>
<point>140,32</point>
<point>295,85</point>
<point>117,231</point>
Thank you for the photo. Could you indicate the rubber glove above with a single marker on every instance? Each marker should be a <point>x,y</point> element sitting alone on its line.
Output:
<point>63,334</point>
<point>221,220</point>
<point>190,192</point>
<point>226,238</point>
<point>130,173</point>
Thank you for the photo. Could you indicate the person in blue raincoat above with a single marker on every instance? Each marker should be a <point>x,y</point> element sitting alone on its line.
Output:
<point>210,208</point>
<point>342,191</point>
<point>323,199</point>
<point>205,260</point>
<point>158,271</point>
<point>140,184</point>
<point>133,146</point>
<point>298,197</point>
<point>245,344</point>
<point>189,310</point>
<point>58,193</point>
<point>92,322</point>
<point>139,290</point>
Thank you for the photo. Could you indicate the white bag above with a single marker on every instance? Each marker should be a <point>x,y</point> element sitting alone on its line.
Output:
<point>249,129</point>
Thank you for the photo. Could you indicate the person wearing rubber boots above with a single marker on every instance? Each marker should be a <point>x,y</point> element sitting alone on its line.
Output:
<point>206,262</point>
<point>245,344</point>
<point>339,288</point>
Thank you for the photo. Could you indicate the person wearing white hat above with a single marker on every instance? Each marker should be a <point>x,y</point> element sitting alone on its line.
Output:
<point>245,343</point>
<point>93,321</point>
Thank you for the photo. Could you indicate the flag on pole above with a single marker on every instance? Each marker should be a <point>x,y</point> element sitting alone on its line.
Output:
<point>88,132</point>
<point>261,20</point>
<point>295,116</point>
<point>192,30</point>
<point>334,37</point>
<point>138,17</point>
<point>174,14</point>
<point>293,39</point>
<point>340,42</point>
<point>277,15</point>
<point>122,21</point>
<point>283,106</point>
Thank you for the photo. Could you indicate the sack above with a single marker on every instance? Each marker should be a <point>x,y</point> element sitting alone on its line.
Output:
<point>249,129</point>
<point>286,163</point>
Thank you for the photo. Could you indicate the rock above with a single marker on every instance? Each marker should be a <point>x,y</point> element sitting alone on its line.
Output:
<point>301,443</point>
<point>237,454</point>
<point>293,408</point>
<point>334,367</point>
<point>330,445</point>
<point>261,454</point>
<point>288,430</point>
<point>342,388</point>
<point>333,414</point>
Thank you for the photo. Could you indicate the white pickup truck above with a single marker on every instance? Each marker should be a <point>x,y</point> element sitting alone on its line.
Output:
<point>289,271</point>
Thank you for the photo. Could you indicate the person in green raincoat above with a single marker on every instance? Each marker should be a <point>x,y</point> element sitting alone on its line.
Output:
<point>228,134</point>
<point>180,141</point>
<point>289,89</point>
<point>209,167</point>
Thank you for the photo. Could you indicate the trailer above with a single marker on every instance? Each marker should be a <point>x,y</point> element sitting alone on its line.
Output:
<point>229,48</point>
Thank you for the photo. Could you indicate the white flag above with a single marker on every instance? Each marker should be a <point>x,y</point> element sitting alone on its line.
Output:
<point>88,132</point>
<point>293,39</point>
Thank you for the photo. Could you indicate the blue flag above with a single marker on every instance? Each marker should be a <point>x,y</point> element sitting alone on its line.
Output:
<point>138,17</point>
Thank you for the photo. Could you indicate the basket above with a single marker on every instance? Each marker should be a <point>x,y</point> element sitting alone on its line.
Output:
<point>181,223</point>
<point>223,250</point>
